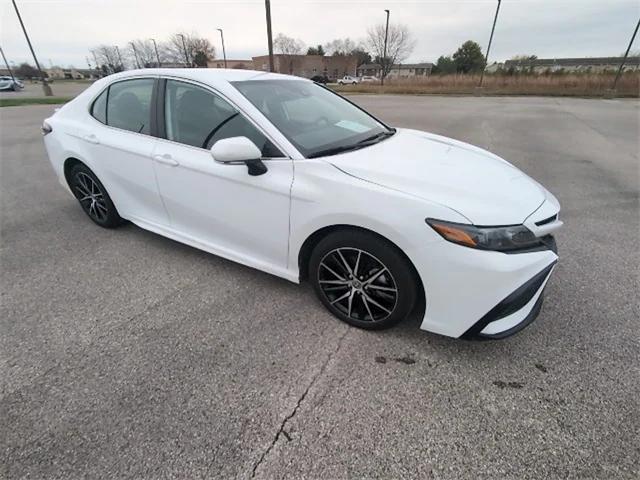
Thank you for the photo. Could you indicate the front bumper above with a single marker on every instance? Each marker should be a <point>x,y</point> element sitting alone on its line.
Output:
<point>513,313</point>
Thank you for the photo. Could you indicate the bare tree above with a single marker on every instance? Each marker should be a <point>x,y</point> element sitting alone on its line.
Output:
<point>399,45</point>
<point>348,47</point>
<point>287,45</point>
<point>341,46</point>
<point>145,51</point>
<point>194,51</point>
<point>108,59</point>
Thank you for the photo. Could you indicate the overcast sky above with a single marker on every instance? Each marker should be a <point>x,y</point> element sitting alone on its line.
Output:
<point>62,31</point>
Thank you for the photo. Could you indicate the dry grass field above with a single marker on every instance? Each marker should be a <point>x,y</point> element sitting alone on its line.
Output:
<point>577,85</point>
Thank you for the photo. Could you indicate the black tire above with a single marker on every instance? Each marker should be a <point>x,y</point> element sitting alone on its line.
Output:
<point>93,197</point>
<point>369,303</point>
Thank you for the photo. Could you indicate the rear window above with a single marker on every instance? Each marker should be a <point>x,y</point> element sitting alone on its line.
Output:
<point>126,105</point>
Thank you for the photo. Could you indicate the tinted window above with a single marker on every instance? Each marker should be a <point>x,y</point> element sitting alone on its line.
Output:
<point>197,117</point>
<point>129,105</point>
<point>99,108</point>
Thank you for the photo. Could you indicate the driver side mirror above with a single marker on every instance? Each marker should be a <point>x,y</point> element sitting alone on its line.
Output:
<point>236,150</point>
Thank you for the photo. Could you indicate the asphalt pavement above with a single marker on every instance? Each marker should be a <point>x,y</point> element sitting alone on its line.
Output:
<point>127,355</point>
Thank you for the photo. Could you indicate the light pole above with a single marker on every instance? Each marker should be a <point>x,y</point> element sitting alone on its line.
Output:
<point>184,47</point>
<point>626,54</point>
<point>155,46</point>
<point>224,53</point>
<point>486,59</point>
<point>45,86</point>
<point>267,6</point>
<point>383,60</point>
<point>135,53</point>
<point>13,79</point>
<point>120,58</point>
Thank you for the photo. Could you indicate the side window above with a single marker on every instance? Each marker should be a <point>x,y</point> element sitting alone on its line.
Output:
<point>99,108</point>
<point>197,117</point>
<point>129,105</point>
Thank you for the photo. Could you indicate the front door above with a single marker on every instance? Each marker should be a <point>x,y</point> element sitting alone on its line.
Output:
<point>233,214</point>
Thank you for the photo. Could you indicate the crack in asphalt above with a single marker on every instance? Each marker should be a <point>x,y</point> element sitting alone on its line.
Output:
<point>283,424</point>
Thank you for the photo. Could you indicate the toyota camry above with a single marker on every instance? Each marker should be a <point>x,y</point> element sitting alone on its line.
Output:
<point>281,174</point>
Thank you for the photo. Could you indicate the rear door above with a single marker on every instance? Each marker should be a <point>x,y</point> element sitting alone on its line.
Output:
<point>122,147</point>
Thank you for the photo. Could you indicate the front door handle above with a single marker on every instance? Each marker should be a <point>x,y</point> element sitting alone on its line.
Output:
<point>91,138</point>
<point>166,159</point>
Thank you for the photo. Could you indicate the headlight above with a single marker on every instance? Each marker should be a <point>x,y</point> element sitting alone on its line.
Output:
<point>501,239</point>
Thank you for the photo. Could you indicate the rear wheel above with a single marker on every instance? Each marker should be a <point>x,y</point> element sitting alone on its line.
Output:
<point>93,197</point>
<point>362,279</point>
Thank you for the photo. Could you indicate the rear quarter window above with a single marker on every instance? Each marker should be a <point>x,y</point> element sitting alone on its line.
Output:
<point>99,107</point>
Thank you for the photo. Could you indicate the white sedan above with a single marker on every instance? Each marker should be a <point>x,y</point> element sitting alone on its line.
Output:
<point>283,175</point>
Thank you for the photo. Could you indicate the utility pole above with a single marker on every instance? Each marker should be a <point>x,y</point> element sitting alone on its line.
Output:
<point>624,60</point>
<point>224,53</point>
<point>486,59</point>
<point>184,47</point>
<point>13,79</point>
<point>155,46</point>
<point>383,60</point>
<point>45,86</point>
<point>135,53</point>
<point>120,58</point>
<point>267,6</point>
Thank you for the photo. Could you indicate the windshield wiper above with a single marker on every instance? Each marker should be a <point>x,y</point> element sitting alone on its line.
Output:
<point>361,144</point>
<point>377,137</point>
<point>335,150</point>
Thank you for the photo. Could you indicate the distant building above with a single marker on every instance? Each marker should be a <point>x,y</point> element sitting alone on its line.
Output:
<point>58,73</point>
<point>332,67</point>
<point>550,65</point>
<point>235,64</point>
<point>400,70</point>
<point>494,67</point>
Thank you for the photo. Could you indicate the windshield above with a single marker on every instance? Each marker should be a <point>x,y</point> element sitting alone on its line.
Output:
<point>315,120</point>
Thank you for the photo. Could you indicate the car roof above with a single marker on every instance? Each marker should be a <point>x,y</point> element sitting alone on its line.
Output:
<point>211,76</point>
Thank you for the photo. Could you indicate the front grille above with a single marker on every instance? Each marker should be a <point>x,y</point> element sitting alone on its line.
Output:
<point>547,220</point>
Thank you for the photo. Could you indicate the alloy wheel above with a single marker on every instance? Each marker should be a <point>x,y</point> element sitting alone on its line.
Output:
<point>358,284</point>
<point>91,197</point>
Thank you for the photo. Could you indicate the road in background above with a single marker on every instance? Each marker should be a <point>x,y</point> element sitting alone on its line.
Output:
<point>124,354</point>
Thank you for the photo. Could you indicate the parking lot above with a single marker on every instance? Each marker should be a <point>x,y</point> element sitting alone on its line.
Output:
<point>60,88</point>
<point>127,355</point>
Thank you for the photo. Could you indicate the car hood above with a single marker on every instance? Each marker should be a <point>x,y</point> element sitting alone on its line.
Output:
<point>481,186</point>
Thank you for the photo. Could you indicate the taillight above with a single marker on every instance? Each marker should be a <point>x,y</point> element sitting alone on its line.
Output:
<point>46,128</point>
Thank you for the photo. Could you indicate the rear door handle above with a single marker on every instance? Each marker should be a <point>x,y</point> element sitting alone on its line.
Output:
<point>166,159</point>
<point>91,138</point>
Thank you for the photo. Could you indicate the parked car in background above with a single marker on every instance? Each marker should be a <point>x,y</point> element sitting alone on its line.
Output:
<point>11,84</point>
<point>348,80</point>
<point>375,217</point>
<point>369,80</point>
<point>320,79</point>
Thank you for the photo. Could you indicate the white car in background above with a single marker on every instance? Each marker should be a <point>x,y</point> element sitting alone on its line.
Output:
<point>11,84</point>
<point>283,175</point>
<point>347,80</point>
<point>368,79</point>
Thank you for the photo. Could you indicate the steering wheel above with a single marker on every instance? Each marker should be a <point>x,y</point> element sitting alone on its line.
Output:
<point>215,130</point>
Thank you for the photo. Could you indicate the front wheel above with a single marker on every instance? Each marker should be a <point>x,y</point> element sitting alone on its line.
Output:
<point>362,279</point>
